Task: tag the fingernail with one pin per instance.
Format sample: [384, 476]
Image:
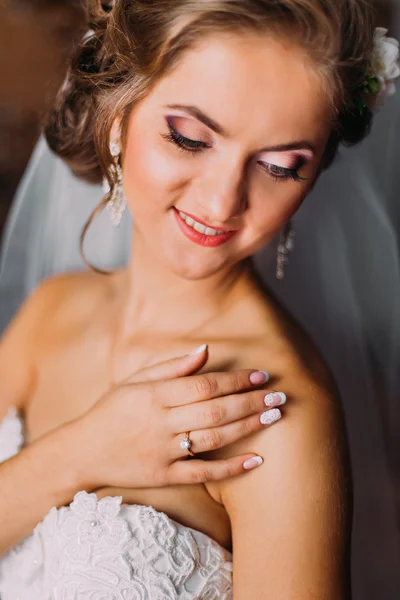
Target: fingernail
[252, 463]
[199, 350]
[259, 377]
[275, 398]
[270, 416]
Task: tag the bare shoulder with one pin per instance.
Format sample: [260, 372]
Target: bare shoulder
[312, 418]
[276, 343]
[58, 300]
[68, 290]
[298, 369]
[292, 515]
[52, 308]
[309, 440]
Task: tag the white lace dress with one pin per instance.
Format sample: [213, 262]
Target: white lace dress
[105, 550]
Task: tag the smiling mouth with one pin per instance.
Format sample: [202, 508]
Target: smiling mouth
[202, 227]
[201, 233]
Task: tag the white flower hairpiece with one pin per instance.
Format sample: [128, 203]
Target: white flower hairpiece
[384, 70]
[384, 61]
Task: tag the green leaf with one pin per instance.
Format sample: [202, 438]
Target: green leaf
[374, 86]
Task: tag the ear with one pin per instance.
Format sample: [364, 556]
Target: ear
[115, 133]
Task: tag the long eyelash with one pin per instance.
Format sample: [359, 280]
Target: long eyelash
[287, 174]
[291, 174]
[183, 143]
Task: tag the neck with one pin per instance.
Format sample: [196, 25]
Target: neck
[155, 301]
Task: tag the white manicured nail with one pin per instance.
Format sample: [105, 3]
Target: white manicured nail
[199, 350]
[252, 463]
[259, 377]
[267, 376]
[275, 398]
[270, 416]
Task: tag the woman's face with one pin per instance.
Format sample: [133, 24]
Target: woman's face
[232, 138]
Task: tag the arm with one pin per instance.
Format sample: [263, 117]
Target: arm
[23, 341]
[45, 474]
[291, 541]
[20, 344]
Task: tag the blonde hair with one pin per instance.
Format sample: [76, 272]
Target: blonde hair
[136, 42]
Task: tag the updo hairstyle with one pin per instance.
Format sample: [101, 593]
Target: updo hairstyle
[132, 44]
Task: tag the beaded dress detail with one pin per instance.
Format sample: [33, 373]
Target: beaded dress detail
[105, 550]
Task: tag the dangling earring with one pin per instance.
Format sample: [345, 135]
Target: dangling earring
[285, 246]
[117, 201]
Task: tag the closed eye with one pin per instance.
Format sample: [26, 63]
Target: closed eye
[282, 173]
[192, 146]
[185, 144]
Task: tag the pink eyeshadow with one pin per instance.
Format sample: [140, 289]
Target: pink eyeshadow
[287, 160]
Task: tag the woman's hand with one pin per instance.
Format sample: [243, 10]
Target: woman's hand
[132, 436]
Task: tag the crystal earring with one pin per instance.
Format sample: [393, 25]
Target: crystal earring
[285, 246]
[116, 204]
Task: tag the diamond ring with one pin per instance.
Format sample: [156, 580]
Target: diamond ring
[186, 444]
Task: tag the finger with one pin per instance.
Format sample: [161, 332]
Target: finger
[198, 388]
[201, 471]
[221, 411]
[206, 440]
[172, 368]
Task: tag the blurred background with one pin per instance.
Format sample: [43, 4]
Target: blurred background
[36, 39]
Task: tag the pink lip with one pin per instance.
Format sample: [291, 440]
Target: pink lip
[211, 241]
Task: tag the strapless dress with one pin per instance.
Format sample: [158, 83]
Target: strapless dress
[106, 550]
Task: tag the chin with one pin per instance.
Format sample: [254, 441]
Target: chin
[195, 273]
[193, 269]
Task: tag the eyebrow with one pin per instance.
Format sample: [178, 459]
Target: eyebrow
[198, 114]
[292, 146]
[214, 126]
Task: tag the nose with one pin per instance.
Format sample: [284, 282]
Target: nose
[222, 193]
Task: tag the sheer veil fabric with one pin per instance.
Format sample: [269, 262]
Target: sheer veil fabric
[42, 233]
[342, 284]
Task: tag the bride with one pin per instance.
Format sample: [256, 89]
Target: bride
[212, 121]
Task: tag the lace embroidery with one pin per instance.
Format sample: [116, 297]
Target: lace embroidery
[11, 434]
[105, 550]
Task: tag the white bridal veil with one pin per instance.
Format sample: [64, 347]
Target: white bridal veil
[342, 283]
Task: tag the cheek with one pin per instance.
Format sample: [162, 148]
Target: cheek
[152, 175]
[145, 174]
[273, 204]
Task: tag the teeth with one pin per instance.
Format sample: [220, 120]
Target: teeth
[199, 227]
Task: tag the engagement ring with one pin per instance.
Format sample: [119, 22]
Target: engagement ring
[186, 444]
